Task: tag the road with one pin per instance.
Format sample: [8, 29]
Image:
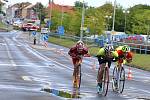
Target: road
[26, 70]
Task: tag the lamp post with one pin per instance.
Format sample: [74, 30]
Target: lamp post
[62, 14]
[114, 14]
[125, 12]
[50, 17]
[82, 21]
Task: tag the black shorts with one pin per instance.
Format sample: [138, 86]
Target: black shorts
[101, 61]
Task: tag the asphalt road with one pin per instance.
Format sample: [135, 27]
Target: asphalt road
[27, 69]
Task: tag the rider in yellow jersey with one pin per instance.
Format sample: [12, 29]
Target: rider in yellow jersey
[105, 54]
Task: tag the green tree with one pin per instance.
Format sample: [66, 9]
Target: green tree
[139, 19]
[40, 10]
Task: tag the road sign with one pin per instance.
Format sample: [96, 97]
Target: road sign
[61, 30]
[34, 33]
[46, 37]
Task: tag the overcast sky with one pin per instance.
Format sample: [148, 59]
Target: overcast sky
[95, 3]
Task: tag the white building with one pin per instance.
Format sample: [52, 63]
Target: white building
[11, 12]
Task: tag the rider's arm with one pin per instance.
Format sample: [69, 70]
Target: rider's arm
[115, 56]
[71, 51]
[101, 53]
[129, 57]
[85, 50]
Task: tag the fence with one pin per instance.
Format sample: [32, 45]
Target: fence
[135, 47]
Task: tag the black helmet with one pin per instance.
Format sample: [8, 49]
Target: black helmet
[108, 48]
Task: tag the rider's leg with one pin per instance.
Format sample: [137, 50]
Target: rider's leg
[100, 77]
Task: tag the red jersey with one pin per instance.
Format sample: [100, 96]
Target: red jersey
[73, 51]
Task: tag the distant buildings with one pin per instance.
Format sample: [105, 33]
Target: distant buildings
[60, 8]
[25, 10]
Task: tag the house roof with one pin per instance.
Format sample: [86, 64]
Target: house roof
[30, 6]
[64, 8]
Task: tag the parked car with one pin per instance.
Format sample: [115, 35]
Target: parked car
[27, 26]
[44, 30]
[17, 24]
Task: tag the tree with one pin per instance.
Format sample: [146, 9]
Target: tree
[94, 20]
[139, 18]
[40, 10]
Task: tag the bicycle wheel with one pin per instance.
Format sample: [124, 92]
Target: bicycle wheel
[121, 80]
[105, 81]
[114, 79]
[79, 76]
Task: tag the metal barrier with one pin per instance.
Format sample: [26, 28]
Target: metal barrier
[138, 48]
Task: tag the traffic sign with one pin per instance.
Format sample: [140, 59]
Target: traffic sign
[34, 33]
[46, 37]
[61, 30]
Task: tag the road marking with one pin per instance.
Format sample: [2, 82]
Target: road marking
[5, 64]
[3, 44]
[26, 78]
[9, 54]
[49, 59]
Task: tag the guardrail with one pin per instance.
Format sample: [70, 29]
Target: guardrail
[138, 48]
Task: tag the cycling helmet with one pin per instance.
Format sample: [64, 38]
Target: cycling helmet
[80, 46]
[108, 48]
[125, 48]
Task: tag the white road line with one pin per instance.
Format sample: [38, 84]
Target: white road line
[26, 78]
[3, 44]
[9, 54]
[146, 91]
[5, 64]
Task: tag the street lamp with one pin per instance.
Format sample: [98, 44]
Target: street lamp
[82, 21]
[114, 14]
[50, 17]
[62, 14]
[125, 12]
[107, 25]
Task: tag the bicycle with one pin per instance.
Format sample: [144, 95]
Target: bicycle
[105, 79]
[118, 78]
[77, 74]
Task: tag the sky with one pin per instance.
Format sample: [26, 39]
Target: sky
[95, 3]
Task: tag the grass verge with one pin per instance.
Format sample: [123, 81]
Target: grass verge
[2, 26]
[140, 61]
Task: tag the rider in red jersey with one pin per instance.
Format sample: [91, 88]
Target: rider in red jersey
[77, 52]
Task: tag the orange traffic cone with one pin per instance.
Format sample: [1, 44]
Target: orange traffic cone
[130, 74]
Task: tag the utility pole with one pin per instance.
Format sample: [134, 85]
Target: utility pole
[50, 17]
[82, 21]
[62, 14]
[114, 14]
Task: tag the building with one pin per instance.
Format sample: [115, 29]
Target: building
[19, 12]
[11, 12]
[29, 13]
[60, 8]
